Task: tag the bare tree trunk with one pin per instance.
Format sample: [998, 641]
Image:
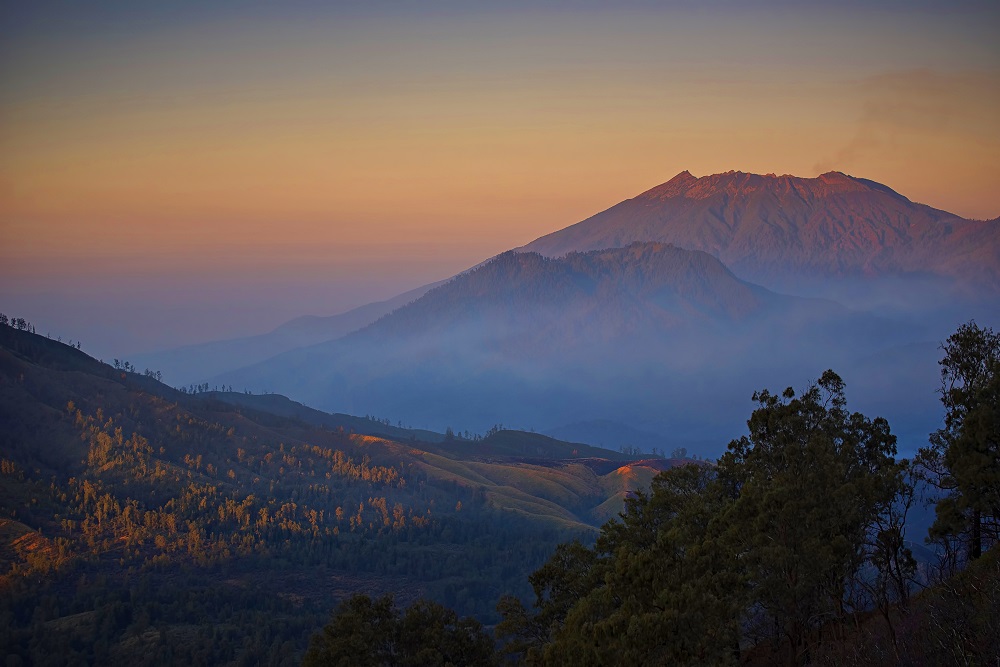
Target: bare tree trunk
[976, 546]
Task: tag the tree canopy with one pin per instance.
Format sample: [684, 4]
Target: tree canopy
[963, 458]
[371, 633]
[763, 547]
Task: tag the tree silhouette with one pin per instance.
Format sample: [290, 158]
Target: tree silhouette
[963, 458]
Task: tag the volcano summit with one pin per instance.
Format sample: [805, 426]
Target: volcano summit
[784, 232]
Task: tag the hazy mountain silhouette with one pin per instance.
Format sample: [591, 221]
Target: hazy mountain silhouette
[630, 334]
[194, 363]
[790, 233]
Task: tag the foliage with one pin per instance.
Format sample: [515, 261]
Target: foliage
[371, 633]
[963, 458]
[765, 546]
[809, 482]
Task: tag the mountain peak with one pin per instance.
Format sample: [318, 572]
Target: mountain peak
[779, 230]
[740, 183]
[675, 187]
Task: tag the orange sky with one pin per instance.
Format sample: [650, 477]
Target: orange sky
[414, 145]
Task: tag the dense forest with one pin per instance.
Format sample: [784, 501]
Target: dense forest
[145, 524]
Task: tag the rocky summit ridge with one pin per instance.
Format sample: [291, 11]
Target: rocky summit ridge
[779, 231]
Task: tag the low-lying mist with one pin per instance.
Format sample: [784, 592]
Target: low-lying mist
[613, 337]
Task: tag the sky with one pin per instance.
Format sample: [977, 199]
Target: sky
[172, 173]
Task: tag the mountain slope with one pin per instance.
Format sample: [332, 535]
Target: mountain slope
[654, 284]
[781, 230]
[40, 377]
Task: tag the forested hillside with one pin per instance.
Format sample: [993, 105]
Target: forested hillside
[146, 524]
[149, 525]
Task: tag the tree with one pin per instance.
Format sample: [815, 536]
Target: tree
[431, 634]
[774, 537]
[963, 458]
[568, 575]
[809, 483]
[362, 632]
[370, 632]
[671, 593]
[656, 588]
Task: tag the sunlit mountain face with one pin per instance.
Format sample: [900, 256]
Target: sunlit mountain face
[827, 234]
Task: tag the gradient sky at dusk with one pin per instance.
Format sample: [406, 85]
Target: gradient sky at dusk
[175, 173]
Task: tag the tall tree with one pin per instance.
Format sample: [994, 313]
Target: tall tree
[809, 483]
[362, 632]
[964, 456]
[655, 589]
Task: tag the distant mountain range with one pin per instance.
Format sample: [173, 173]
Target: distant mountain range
[194, 363]
[663, 312]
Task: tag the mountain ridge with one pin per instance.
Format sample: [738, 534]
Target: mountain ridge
[735, 182]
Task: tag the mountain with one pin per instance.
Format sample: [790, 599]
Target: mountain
[194, 363]
[612, 291]
[835, 236]
[790, 233]
[637, 335]
[665, 309]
